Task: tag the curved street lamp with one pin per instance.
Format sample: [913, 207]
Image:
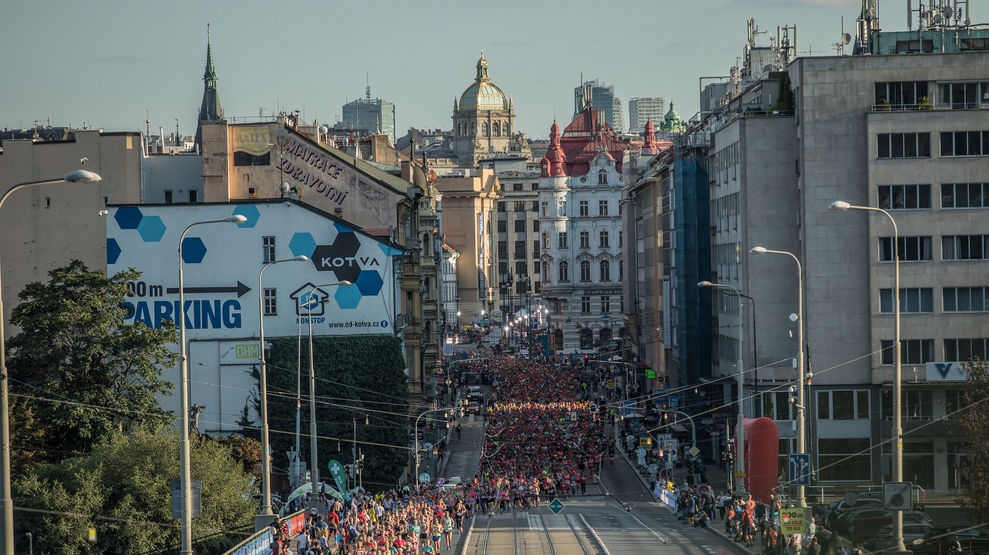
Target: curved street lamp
[77, 176]
[264, 517]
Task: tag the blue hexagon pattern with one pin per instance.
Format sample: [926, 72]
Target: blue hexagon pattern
[341, 228]
[193, 250]
[151, 229]
[128, 217]
[369, 282]
[302, 244]
[347, 297]
[112, 251]
[250, 212]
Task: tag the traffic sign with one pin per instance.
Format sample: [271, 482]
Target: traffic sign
[693, 451]
[665, 474]
[556, 506]
[424, 477]
[799, 469]
[896, 496]
[792, 520]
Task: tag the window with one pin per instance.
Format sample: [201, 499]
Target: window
[585, 305]
[520, 250]
[561, 207]
[585, 271]
[535, 251]
[502, 267]
[966, 299]
[534, 186]
[916, 404]
[605, 270]
[545, 209]
[520, 226]
[961, 350]
[963, 247]
[900, 94]
[502, 226]
[535, 272]
[621, 270]
[602, 208]
[520, 271]
[604, 239]
[583, 208]
[962, 95]
[535, 206]
[519, 206]
[562, 240]
[270, 301]
[904, 145]
[564, 271]
[168, 197]
[267, 249]
[620, 235]
[905, 197]
[912, 351]
[909, 249]
[843, 405]
[546, 271]
[964, 195]
[586, 338]
[535, 224]
[516, 186]
[502, 249]
[193, 196]
[496, 129]
[484, 129]
[603, 177]
[965, 143]
[605, 304]
[844, 459]
[912, 300]
[585, 240]
[776, 405]
[914, 45]
[501, 206]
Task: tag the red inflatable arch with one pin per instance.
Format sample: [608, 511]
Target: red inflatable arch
[761, 454]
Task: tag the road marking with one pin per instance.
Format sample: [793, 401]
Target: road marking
[535, 523]
[594, 534]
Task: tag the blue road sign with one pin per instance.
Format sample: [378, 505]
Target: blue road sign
[799, 469]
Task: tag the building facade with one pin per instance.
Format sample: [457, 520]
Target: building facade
[643, 109]
[373, 114]
[603, 98]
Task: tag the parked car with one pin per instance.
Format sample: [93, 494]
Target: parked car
[863, 524]
[912, 532]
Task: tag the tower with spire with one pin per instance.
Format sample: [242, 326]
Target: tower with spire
[210, 109]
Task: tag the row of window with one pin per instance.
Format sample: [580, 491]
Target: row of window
[604, 240]
[909, 94]
[918, 248]
[918, 196]
[517, 206]
[921, 351]
[604, 271]
[583, 208]
[921, 299]
[918, 145]
[519, 225]
[497, 129]
[585, 304]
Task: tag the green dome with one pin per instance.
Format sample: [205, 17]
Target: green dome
[483, 94]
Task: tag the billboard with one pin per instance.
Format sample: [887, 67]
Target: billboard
[222, 261]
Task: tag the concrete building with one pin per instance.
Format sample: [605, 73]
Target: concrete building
[643, 109]
[373, 114]
[603, 98]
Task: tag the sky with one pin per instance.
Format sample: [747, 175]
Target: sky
[107, 64]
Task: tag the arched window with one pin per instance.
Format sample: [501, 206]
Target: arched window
[496, 129]
[425, 244]
[558, 339]
[605, 336]
[605, 270]
[564, 271]
[484, 129]
[585, 271]
[546, 271]
[505, 129]
[586, 338]
[603, 177]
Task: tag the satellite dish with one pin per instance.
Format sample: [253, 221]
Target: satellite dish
[846, 38]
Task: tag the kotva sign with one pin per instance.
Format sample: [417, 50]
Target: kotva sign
[946, 372]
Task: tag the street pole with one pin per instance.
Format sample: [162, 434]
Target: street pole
[263, 518]
[415, 432]
[78, 176]
[740, 376]
[897, 361]
[801, 405]
[184, 449]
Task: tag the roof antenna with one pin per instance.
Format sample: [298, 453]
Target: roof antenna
[367, 85]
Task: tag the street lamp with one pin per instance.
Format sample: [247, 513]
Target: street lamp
[415, 432]
[264, 517]
[801, 432]
[897, 360]
[740, 436]
[78, 176]
[186, 470]
[312, 382]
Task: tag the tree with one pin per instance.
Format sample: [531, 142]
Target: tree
[77, 370]
[360, 378]
[121, 489]
[975, 421]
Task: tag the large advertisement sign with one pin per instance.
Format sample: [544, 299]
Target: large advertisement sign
[222, 261]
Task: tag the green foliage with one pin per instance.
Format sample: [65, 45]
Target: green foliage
[785, 101]
[975, 421]
[121, 489]
[362, 372]
[79, 372]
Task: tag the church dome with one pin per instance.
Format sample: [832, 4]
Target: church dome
[483, 94]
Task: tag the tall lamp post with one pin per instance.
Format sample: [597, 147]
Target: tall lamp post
[801, 431]
[897, 360]
[78, 176]
[312, 383]
[416, 434]
[740, 435]
[186, 470]
[264, 517]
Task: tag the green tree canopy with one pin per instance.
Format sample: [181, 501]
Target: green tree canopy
[79, 373]
[975, 421]
[121, 489]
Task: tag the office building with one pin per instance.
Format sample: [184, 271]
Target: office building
[641, 110]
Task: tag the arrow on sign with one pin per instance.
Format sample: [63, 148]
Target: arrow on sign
[240, 289]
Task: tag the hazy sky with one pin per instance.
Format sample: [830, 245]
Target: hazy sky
[105, 63]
